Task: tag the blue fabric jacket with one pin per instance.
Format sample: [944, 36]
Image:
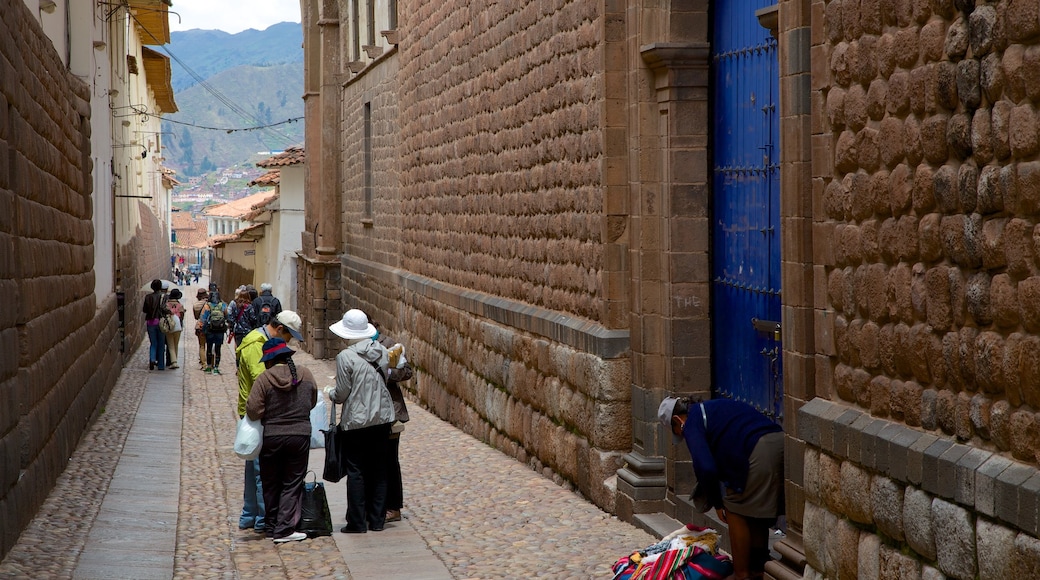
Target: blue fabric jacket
[720, 442]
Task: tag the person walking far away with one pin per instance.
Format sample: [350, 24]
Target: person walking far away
[400, 370]
[240, 315]
[368, 413]
[153, 307]
[214, 324]
[737, 449]
[281, 399]
[201, 298]
[173, 339]
[285, 326]
[265, 306]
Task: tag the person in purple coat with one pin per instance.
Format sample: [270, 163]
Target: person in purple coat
[738, 458]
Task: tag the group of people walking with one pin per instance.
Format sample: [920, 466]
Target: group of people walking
[281, 395]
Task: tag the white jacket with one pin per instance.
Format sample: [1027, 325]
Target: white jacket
[361, 389]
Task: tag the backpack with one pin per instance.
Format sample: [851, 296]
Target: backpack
[217, 321]
[262, 311]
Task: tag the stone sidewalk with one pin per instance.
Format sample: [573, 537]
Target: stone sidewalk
[154, 491]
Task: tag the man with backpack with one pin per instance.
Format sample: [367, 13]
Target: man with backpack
[214, 323]
[265, 306]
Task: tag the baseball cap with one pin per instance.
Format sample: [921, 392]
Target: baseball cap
[664, 415]
[292, 322]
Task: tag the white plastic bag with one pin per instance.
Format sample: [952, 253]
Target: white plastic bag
[249, 438]
[319, 422]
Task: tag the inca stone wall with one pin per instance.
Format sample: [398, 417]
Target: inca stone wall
[484, 249]
[928, 192]
[60, 353]
[501, 143]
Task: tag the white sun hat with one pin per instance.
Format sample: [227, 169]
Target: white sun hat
[354, 325]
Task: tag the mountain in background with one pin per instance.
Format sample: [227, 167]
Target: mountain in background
[236, 82]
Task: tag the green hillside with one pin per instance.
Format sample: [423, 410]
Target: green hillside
[248, 80]
[268, 94]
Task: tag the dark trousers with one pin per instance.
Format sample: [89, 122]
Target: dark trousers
[365, 455]
[213, 342]
[283, 467]
[394, 484]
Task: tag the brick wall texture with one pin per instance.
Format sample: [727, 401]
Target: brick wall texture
[925, 150]
[61, 347]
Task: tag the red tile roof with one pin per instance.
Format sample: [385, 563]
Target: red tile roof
[291, 156]
[270, 178]
[243, 207]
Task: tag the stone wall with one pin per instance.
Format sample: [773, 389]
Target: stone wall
[501, 143]
[61, 351]
[925, 145]
[483, 247]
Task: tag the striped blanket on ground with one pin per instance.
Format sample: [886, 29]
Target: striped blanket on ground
[690, 553]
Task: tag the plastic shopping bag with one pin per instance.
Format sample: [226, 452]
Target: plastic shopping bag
[319, 422]
[249, 438]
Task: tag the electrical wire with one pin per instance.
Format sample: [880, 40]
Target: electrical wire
[234, 107]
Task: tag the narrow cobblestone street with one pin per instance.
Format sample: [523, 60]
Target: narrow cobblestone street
[470, 511]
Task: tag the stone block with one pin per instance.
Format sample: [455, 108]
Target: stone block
[830, 483]
[1026, 563]
[869, 561]
[1022, 134]
[965, 469]
[814, 535]
[996, 550]
[946, 467]
[1028, 517]
[916, 459]
[1029, 303]
[982, 24]
[886, 497]
[954, 540]
[1023, 20]
[930, 573]
[986, 483]
[895, 564]
[1000, 117]
[917, 522]
[847, 539]
[1007, 491]
[956, 43]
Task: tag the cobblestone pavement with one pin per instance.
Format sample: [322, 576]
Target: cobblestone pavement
[482, 514]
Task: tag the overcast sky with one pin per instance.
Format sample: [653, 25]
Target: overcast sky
[232, 15]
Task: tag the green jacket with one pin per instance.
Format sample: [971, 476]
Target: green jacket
[249, 352]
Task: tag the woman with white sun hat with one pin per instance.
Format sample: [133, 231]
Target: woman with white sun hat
[365, 420]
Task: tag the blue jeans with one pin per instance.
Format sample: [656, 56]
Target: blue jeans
[157, 348]
[253, 511]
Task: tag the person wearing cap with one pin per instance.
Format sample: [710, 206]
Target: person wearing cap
[368, 413]
[281, 399]
[173, 339]
[249, 353]
[201, 298]
[738, 458]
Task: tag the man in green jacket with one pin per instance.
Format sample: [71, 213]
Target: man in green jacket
[286, 325]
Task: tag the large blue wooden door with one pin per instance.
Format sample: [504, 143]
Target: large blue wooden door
[746, 209]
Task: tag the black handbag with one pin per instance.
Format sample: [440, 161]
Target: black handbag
[315, 517]
[335, 467]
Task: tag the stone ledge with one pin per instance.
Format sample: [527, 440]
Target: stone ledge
[974, 478]
[583, 335]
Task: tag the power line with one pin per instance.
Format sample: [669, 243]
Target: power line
[231, 130]
[215, 93]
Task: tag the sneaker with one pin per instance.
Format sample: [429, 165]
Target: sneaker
[293, 537]
[151, 365]
[174, 367]
[207, 369]
[216, 371]
[393, 515]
